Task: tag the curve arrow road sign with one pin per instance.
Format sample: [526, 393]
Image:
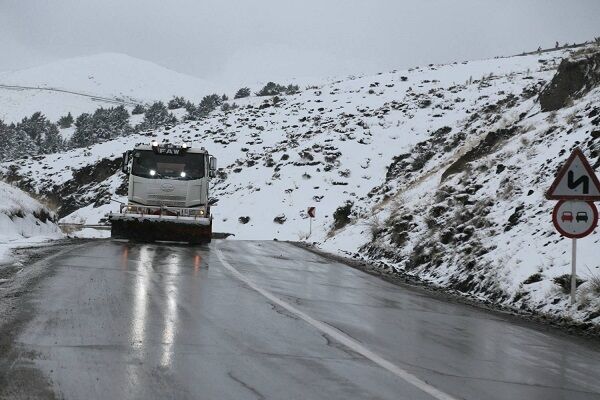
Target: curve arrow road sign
[576, 180]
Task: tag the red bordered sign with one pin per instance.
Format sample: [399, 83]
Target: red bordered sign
[575, 219]
[576, 180]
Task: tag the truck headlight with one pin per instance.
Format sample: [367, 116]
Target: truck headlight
[152, 172]
[182, 174]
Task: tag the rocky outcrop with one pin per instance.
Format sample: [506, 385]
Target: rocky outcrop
[574, 78]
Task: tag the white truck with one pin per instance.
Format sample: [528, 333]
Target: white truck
[167, 194]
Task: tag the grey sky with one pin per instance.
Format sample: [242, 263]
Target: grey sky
[251, 40]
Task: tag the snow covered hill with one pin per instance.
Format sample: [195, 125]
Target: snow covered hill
[83, 84]
[438, 171]
[23, 221]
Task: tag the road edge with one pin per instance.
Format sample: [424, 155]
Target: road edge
[17, 311]
[539, 321]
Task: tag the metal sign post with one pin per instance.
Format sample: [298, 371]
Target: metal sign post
[575, 215]
[573, 270]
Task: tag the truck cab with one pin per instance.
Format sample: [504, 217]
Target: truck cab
[168, 185]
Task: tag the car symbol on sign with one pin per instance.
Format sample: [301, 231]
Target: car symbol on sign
[567, 216]
[581, 216]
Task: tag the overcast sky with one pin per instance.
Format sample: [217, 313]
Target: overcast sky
[253, 40]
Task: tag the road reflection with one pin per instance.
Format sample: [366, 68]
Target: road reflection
[140, 296]
[197, 263]
[170, 315]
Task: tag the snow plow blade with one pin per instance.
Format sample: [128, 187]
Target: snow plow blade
[150, 229]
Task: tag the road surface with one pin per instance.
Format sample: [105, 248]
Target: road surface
[268, 320]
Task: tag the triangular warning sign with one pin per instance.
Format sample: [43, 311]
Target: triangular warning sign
[576, 180]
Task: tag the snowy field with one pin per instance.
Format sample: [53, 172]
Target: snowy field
[23, 221]
[84, 84]
[437, 171]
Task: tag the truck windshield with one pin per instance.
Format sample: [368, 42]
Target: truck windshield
[148, 164]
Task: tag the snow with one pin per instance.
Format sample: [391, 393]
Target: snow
[83, 84]
[336, 142]
[90, 233]
[21, 223]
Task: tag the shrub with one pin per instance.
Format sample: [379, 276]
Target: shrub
[157, 115]
[537, 277]
[271, 89]
[176, 102]
[242, 92]
[138, 109]
[594, 284]
[564, 281]
[292, 89]
[207, 105]
[341, 216]
[66, 121]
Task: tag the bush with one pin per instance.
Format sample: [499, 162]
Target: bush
[176, 102]
[537, 277]
[594, 284]
[66, 121]
[564, 281]
[271, 89]
[138, 109]
[292, 89]
[104, 124]
[341, 216]
[207, 105]
[157, 115]
[242, 92]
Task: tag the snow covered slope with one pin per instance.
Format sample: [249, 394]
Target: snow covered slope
[437, 171]
[23, 220]
[85, 83]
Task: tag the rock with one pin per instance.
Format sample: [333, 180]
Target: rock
[244, 220]
[280, 219]
[574, 77]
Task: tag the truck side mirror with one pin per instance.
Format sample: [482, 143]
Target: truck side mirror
[212, 167]
[125, 163]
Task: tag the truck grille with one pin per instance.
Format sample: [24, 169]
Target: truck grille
[166, 200]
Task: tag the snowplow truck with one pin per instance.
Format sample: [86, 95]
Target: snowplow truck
[167, 195]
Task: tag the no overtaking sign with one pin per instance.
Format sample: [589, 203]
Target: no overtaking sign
[575, 215]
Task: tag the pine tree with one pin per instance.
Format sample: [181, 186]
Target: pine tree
[33, 127]
[6, 138]
[157, 115]
[53, 141]
[65, 121]
[207, 105]
[84, 133]
[119, 121]
[271, 89]
[176, 102]
[23, 146]
[292, 89]
[138, 109]
[241, 93]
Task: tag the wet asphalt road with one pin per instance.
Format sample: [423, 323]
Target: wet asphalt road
[268, 320]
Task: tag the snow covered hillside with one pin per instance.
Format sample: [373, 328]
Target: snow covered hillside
[23, 221]
[438, 171]
[83, 84]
